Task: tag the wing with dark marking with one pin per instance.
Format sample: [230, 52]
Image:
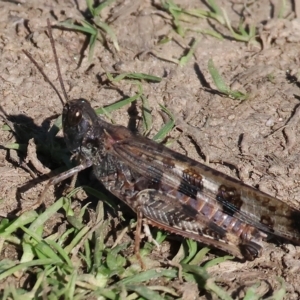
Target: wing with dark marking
[160, 164]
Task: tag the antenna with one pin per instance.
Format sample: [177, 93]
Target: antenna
[44, 75]
[56, 61]
[57, 67]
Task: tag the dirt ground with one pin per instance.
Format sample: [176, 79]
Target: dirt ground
[254, 140]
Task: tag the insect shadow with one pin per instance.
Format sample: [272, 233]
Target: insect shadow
[24, 129]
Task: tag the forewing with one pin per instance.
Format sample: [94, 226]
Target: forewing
[160, 164]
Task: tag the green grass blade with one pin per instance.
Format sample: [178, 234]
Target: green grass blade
[208, 32]
[92, 44]
[216, 9]
[16, 146]
[192, 250]
[146, 115]
[33, 263]
[105, 27]
[148, 275]
[185, 59]
[61, 252]
[145, 292]
[55, 128]
[217, 261]
[117, 105]
[78, 237]
[86, 27]
[166, 129]
[211, 286]
[101, 196]
[199, 271]
[6, 127]
[45, 250]
[217, 78]
[281, 293]
[221, 85]
[26, 218]
[89, 4]
[49, 212]
[251, 293]
[175, 11]
[136, 76]
[199, 256]
[71, 285]
[104, 4]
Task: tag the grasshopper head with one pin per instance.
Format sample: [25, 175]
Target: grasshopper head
[78, 117]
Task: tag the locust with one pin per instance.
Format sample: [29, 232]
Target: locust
[171, 191]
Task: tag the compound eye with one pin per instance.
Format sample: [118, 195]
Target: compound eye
[74, 117]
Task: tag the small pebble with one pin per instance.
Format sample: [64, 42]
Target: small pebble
[270, 122]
